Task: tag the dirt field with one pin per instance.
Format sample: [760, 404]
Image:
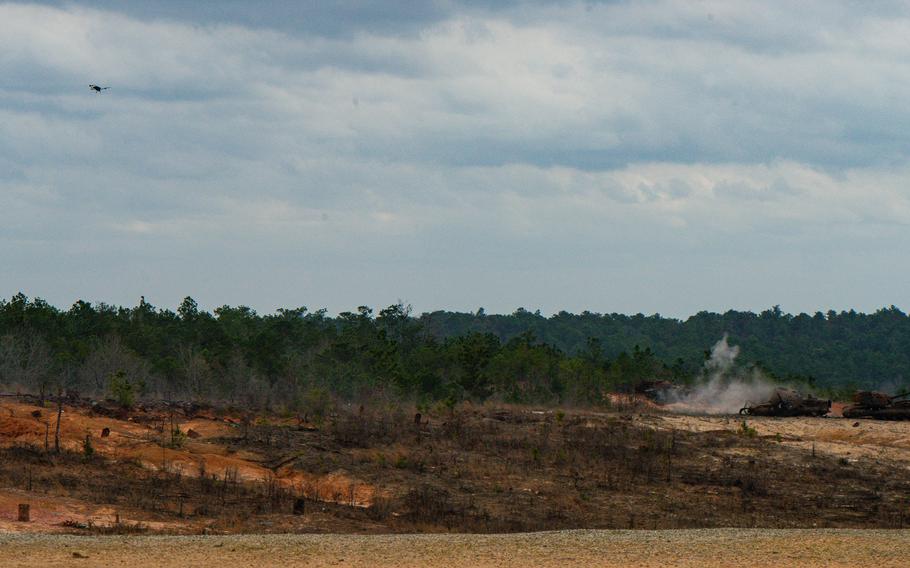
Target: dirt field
[834, 436]
[681, 548]
[487, 469]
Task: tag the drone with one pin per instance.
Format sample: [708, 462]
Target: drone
[98, 89]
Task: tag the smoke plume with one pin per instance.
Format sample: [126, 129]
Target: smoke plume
[725, 388]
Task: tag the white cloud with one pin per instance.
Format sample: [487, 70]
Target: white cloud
[468, 160]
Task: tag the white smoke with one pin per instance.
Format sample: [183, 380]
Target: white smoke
[723, 357]
[723, 387]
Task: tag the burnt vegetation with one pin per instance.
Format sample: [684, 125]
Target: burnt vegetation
[486, 469]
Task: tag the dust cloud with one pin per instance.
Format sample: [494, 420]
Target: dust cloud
[723, 387]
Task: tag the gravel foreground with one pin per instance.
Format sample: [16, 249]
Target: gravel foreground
[681, 548]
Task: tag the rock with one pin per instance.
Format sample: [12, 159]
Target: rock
[79, 555]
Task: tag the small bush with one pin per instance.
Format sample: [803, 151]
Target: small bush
[122, 389]
[178, 438]
[747, 431]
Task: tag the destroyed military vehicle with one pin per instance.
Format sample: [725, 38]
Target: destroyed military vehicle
[880, 406]
[788, 402]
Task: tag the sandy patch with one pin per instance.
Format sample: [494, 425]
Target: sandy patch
[834, 436]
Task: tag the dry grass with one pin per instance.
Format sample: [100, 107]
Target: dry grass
[471, 469]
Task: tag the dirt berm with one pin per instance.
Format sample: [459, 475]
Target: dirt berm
[681, 548]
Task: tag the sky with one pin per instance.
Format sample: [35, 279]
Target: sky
[662, 156]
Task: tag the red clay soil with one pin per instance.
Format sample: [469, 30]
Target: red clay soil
[141, 442]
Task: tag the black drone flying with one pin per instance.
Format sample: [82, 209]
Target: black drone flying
[98, 89]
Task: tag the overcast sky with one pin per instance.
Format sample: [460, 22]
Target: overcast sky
[665, 156]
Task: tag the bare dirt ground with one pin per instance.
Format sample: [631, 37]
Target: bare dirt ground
[680, 548]
[472, 469]
[840, 437]
[368, 477]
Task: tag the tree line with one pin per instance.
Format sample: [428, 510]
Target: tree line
[832, 350]
[302, 360]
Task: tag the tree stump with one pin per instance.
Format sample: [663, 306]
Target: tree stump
[24, 512]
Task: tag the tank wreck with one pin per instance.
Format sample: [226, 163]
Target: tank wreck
[788, 402]
[879, 406]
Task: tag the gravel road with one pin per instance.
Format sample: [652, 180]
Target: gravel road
[680, 548]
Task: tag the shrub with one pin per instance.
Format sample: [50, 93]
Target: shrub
[746, 430]
[122, 389]
[178, 438]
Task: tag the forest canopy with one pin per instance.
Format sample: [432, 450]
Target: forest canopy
[300, 359]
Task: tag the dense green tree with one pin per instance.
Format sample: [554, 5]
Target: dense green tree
[295, 358]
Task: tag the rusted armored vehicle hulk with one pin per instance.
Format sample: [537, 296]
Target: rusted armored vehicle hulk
[880, 406]
[788, 402]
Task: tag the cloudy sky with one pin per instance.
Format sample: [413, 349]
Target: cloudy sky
[655, 156]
